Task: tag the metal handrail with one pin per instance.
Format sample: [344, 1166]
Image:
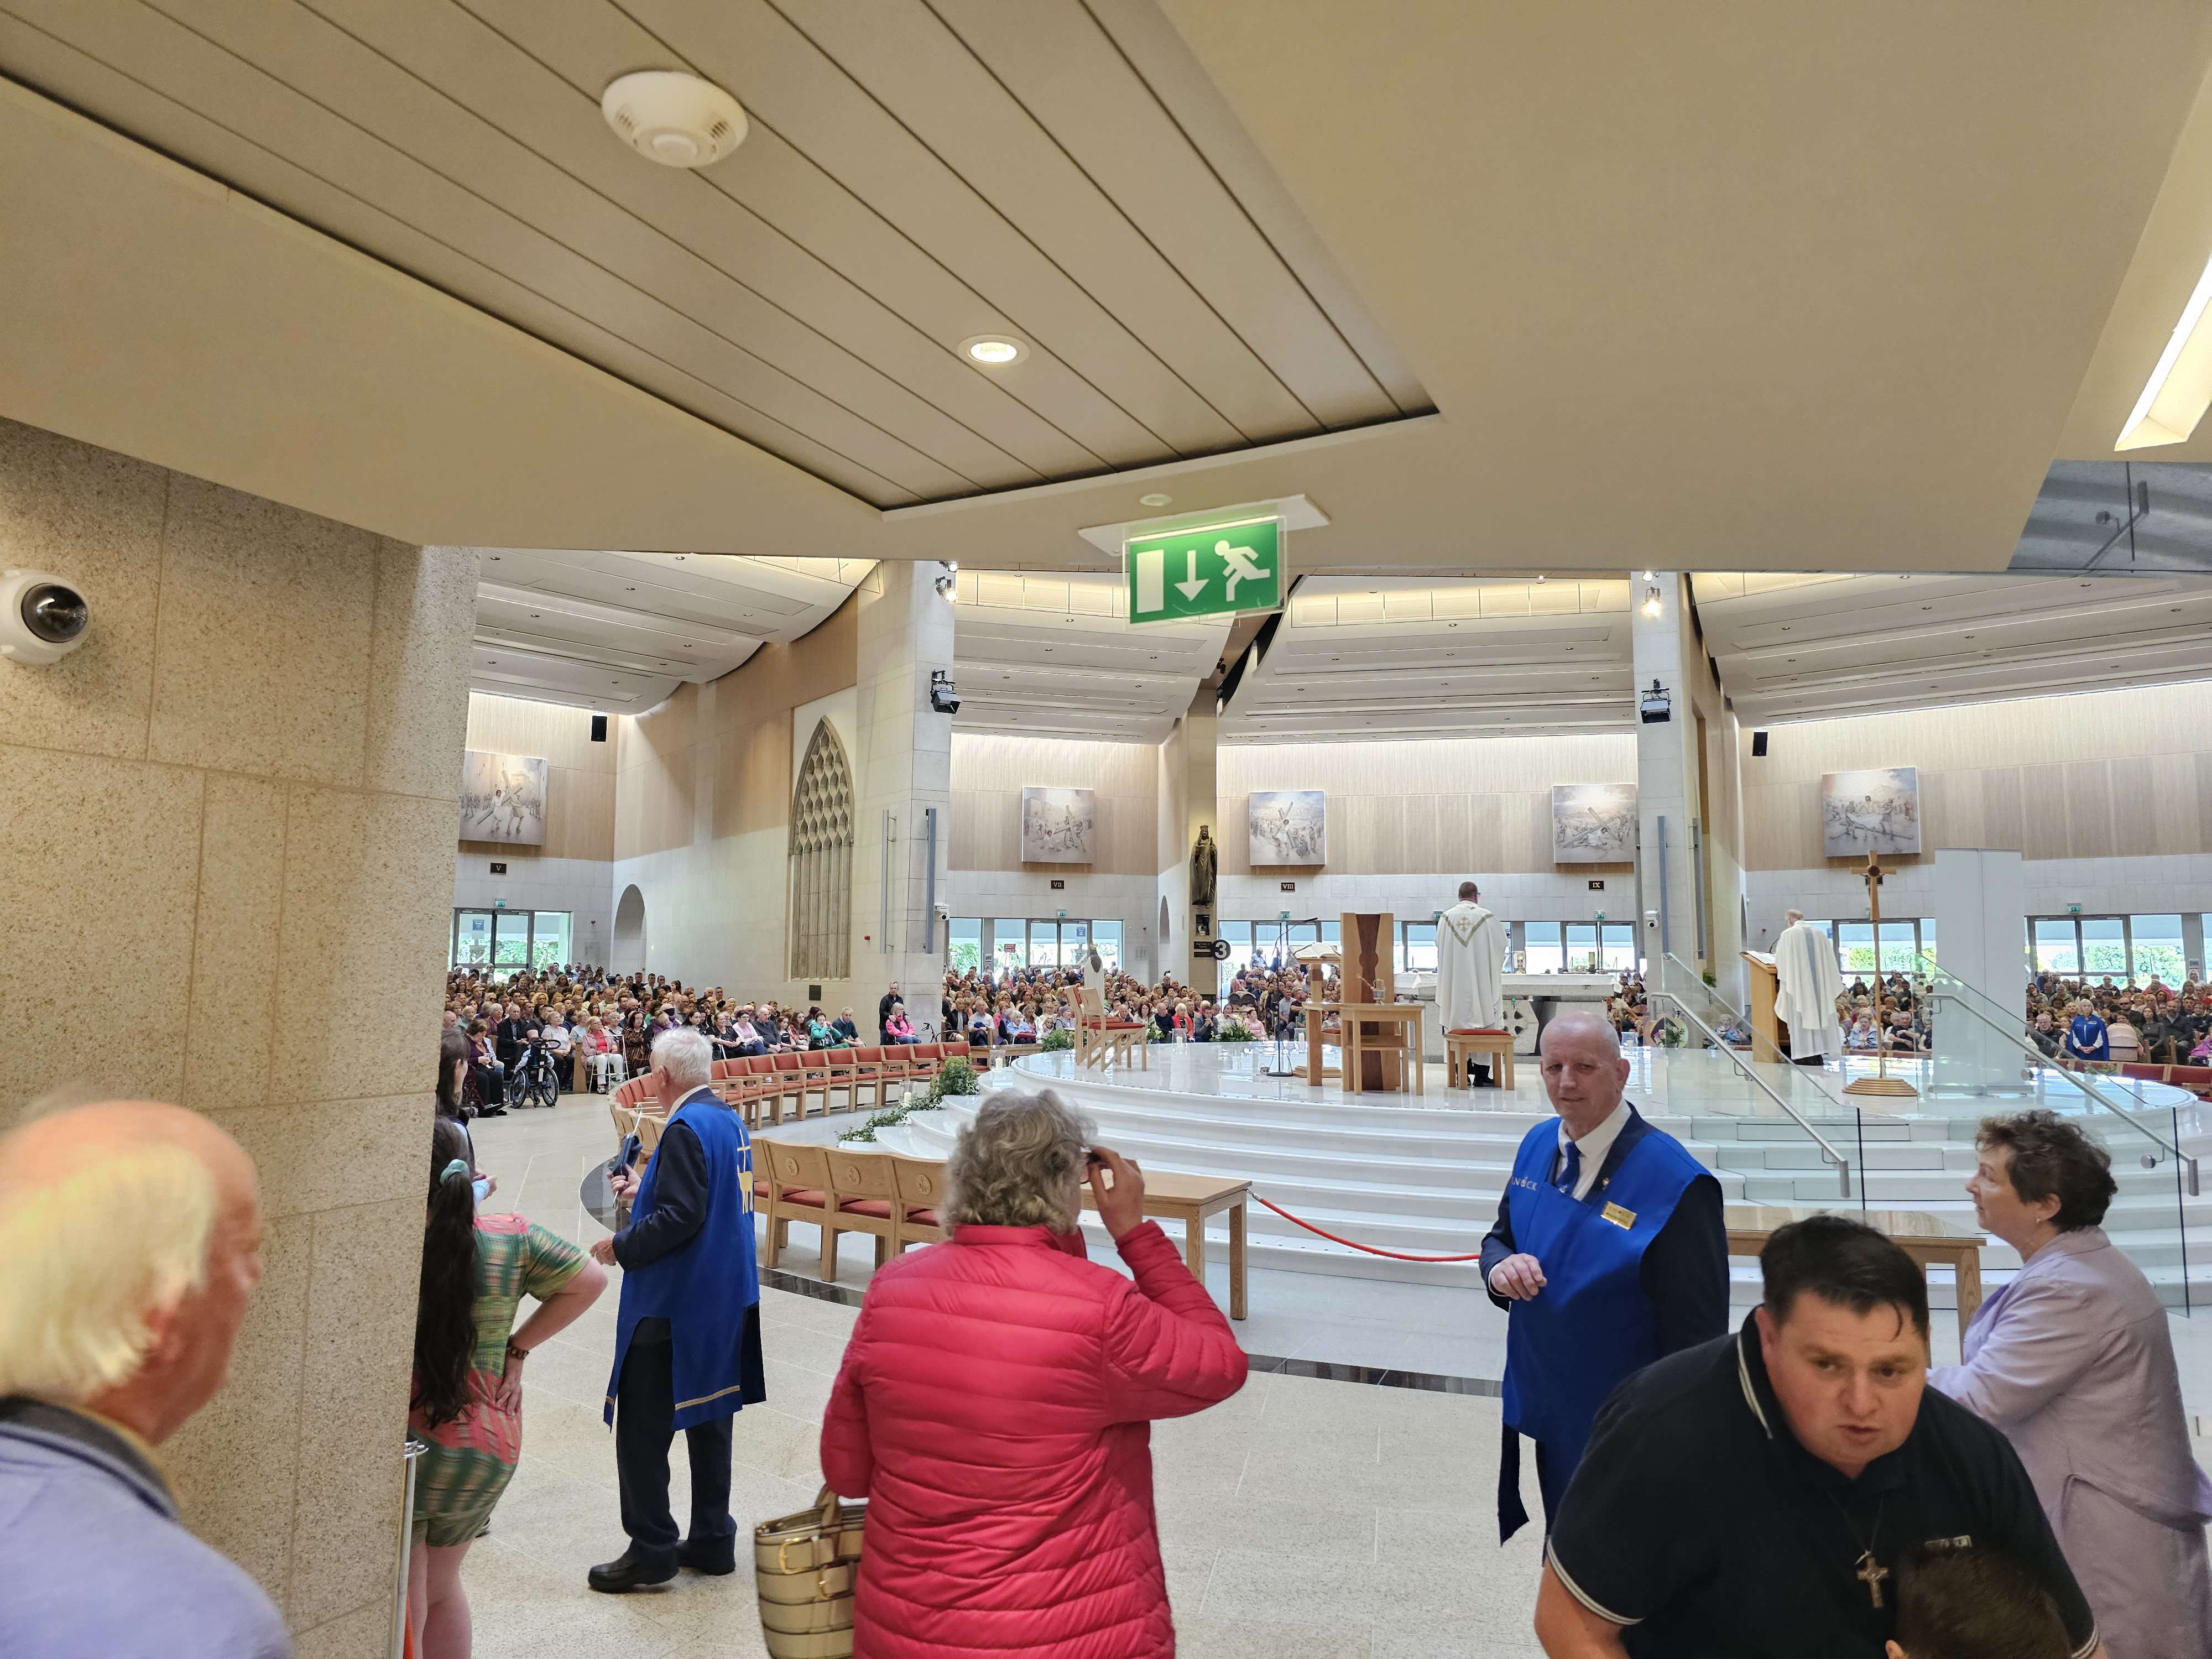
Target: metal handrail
[2080, 1080]
[1779, 1058]
[1843, 1164]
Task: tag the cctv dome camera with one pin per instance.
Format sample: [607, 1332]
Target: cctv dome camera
[42, 617]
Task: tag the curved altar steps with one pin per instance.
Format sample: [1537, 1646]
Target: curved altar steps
[1427, 1178]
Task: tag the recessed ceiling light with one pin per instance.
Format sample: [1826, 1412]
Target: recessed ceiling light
[1154, 500]
[995, 350]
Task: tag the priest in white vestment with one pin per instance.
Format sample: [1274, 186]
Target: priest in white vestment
[1471, 971]
[1807, 984]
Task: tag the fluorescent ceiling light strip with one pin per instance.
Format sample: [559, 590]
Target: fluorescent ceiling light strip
[2180, 388]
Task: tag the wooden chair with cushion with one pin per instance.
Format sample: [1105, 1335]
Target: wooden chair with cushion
[790, 1183]
[924, 1060]
[768, 1087]
[837, 1076]
[791, 1075]
[868, 1077]
[814, 1077]
[866, 1202]
[897, 1066]
[919, 1183]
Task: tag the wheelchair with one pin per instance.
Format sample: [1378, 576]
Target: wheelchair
[533, 1082]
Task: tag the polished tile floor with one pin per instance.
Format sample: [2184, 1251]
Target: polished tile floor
[1327, 1520]
[1324, 1519]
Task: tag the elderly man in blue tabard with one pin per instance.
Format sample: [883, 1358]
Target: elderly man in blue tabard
[687, 1340]
[1609, 1252]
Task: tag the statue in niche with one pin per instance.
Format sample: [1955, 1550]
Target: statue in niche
[1204, 862]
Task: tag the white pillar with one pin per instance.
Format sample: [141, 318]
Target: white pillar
[1980, 897]
[905, 632]
[1666, 772]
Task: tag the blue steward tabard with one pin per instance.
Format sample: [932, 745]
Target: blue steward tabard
[1570, 1344]
[704, 1288]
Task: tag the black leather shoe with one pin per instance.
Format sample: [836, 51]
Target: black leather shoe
[631, 1571]
[714, 1557]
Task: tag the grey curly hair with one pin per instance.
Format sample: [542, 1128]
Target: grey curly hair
[1019, 1164]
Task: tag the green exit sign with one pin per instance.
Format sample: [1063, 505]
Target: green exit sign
[1210, 571]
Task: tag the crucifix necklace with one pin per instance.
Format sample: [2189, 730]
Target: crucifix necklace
[1870, 1572]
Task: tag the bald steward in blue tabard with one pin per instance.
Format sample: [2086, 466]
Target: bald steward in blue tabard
[1608, 1252]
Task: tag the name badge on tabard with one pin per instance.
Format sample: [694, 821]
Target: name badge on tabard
[1618, 1217]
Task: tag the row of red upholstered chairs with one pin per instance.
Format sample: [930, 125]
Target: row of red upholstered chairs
[841, 1189]
[762, 1084]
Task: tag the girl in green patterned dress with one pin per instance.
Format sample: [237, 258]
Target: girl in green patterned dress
[467, 1399]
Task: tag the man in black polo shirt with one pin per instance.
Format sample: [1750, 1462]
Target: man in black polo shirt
[1750, 1496]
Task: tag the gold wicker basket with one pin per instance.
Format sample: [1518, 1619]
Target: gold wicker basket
[805, 1566]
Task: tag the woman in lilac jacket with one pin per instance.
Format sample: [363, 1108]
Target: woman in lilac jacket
[2074, 1362]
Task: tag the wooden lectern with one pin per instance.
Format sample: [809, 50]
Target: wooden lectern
[1379, 1039]
[1773, 1036]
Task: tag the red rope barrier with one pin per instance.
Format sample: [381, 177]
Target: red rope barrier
[1395, 1255]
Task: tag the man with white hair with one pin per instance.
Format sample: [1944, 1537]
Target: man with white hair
[687, 1340]
[131, 1232]
[1807, 984]
[1609, 1251]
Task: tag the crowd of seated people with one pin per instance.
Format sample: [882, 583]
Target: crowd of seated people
[2155, 1025]
[598, 1027]
[1021, 1007]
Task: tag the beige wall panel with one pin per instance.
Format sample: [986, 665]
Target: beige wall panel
[2102, 808]
[1389, 831]
[1232, 828]
[1455, 832]
[752, 743]
[1486, 831]
[2043, 817]
[2002, 808]
[1963, 822]
[2088, 800]
[2173, 806]
[1422, 846]
[993, 769]
[511, 726]
[2134, 806]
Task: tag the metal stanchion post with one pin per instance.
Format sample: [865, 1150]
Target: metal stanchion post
[412, 1450]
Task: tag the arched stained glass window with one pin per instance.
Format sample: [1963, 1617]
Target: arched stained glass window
[822, 861]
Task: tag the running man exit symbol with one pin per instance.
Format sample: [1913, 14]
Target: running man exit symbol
[1211, 571]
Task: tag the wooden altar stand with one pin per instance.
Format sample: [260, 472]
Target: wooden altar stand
[1379, 1039]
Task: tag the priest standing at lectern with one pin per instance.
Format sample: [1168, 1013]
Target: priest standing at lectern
[1807, 984]
[1471, 971]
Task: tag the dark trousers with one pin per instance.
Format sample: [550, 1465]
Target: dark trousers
[644, 1427]
[1551, 1482]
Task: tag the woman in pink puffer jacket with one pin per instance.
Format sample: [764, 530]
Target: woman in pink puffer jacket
[993, 1401]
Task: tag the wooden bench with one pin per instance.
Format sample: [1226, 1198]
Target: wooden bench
[1929, 1240]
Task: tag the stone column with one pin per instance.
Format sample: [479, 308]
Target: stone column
[1666, 773]
[238, 798]
[905, 764]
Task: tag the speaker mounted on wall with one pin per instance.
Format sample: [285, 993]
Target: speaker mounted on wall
[599, 728]
[1759, 745]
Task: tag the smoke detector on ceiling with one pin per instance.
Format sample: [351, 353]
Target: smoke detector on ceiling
[674, 118]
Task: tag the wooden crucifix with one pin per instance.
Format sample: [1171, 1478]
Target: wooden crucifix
[1880, 1083]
